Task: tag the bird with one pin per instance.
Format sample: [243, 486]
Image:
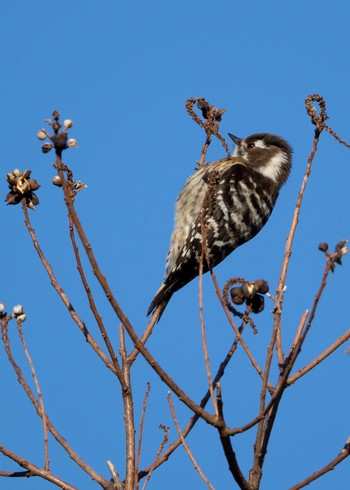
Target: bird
[234, 197]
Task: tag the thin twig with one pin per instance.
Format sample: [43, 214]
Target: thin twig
[319, 122]
[294, 351]
[115, 305]
[298, 333]
[204, 254]
[302, 371]
[274, 402]
[115, 476]
[40, 397]
[92, 304]
[139, 442]
[212, 117]
[327, 269]
[256, 471]
[16, 474]
[185, 445]
[35, 470]
[158, 454]
[129, 420]
[55, 284]
[226, 443]
[147, 333]
[233, 325]
[72, 454]
[344, 453]
[266, 422]
[192, 422]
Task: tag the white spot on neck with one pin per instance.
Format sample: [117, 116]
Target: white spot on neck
[272, 169]
[235, 152]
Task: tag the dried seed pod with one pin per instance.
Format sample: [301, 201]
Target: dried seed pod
[341, 247]
[262, 285]
[41, 134]
[323, 247]
[257, 303]
[68, 123]
[33, 184]
[72, 142]
[249, 289]
[237, 296]
[26, 174]
[34, 199]
[46, 147]
[17, 172]
[79, 185]
[17, 310]
[57, 181]
[12, 198]
[11, 178]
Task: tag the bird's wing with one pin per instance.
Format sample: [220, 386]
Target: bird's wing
[188, 207]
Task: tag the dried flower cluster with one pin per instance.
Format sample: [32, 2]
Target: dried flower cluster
[250, 293]
[334, 258]
[17, 312]
[22, 188]
[245, 292]
[59, 140]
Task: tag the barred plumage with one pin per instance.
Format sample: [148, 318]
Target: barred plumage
[235, 197]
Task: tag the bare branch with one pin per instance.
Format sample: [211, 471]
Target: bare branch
[344, 453]
[127, 325]
[203, 403]
[40, 397]
[115, 476]
[72, 454]
[147, 333]
[302, 371]
[185, 445]
[129, 421]
[55, 284]
[34, 470]
[204, 255]
[235, 329]
[158, 455]
[142, 421]
[212, 117]
[226, 443]
[319, 122]
[92, 303]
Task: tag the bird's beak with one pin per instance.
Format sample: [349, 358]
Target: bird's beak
[235, 139]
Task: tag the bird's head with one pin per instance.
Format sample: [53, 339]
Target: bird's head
[267, 153]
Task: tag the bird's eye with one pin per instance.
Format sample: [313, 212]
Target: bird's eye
[251, 145]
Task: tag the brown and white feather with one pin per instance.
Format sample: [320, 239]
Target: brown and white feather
[245, 192]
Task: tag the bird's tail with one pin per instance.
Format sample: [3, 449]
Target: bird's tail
[160, 300]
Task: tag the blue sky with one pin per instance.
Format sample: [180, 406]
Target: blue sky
[123, 71]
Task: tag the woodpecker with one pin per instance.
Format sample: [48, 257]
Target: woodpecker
[228, 201]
